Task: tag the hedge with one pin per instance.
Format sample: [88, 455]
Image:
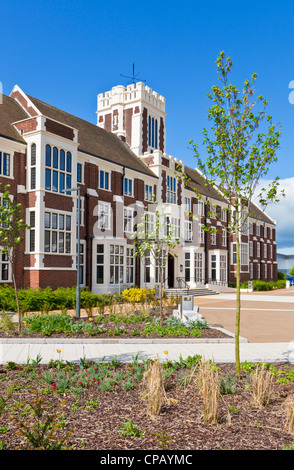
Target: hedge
[265, 286]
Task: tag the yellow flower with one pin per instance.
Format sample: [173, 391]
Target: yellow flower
[165, 352]
[58, 350]
[90, 319]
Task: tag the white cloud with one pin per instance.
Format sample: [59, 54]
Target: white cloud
[283, 213]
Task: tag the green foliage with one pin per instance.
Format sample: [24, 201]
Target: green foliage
[41, 427]
[137, 295]
[130, 429]
[265, 286]
[228, 384]
[43, 300]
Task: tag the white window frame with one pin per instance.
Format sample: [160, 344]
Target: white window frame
[104, 172]
[104, 215]
[188, 231]
[67, 232]
[128, 220]
[187, 205]
[224, 215]
[200, 234]
[4, 262]
[171, 189]
[201, 208]
[9, 166]
[213, 238]
[224, 237]
[127, 192]
[148, 192]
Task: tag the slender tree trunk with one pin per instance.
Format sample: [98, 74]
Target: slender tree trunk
[238, 306]
[17, 301]
[160, 288]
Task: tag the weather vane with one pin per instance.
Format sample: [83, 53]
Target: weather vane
[134, 77]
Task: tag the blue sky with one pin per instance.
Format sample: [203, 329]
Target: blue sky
[67, 52]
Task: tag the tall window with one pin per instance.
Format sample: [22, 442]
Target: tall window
[198, 267]
[224, 237]
[5, 271]
[187, 266]
[171, 190]
[100, 264]
[147, 266]
[213, 238]
[79, 173]
[4, 164]
[153, 132]
[200, 208]
[128, 220]
[82, 264]
[116, 264]
[128, 187]
[188, 231]
[148, 192]
[187, 205]
[104, 180]
[130, 266]
[32, 231]
[103, 216]
[244, 254]
[58, 169]
[223, 268]
[200, 234]
[224, 215]
[57, 233]
[33, 166]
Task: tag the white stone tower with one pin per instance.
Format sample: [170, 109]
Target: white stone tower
[136, 114]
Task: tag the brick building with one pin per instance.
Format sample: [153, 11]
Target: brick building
[119, 164]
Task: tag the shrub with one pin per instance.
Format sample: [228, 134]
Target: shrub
[137, 295]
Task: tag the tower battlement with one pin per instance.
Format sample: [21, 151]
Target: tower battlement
[129, 95]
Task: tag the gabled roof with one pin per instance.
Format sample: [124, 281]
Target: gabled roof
[10, 112]
[94, 140]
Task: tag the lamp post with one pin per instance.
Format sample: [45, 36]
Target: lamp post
[78, 288]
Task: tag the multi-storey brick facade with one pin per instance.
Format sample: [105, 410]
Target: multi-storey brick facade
[119, 165]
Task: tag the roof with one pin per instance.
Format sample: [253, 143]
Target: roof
[257, 213]
[10, 112]
[197, 183]
[94, 140]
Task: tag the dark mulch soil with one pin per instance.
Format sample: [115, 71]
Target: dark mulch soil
[95, 417]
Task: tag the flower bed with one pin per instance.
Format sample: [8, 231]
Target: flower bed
[104, 406]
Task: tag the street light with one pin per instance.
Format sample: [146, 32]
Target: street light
[78, 289]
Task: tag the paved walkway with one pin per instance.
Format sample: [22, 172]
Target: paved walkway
[267, 334]
[221, 352]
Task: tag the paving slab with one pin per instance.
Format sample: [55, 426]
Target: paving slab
[221, 352]
[265, 317]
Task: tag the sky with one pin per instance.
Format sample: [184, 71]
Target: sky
[67, 52]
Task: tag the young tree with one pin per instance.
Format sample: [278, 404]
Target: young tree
[154, 237]
[12, 228]
[240, 148]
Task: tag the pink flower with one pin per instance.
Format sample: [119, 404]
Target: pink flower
[54, 385]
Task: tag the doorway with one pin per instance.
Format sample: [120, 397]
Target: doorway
[171, 271]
